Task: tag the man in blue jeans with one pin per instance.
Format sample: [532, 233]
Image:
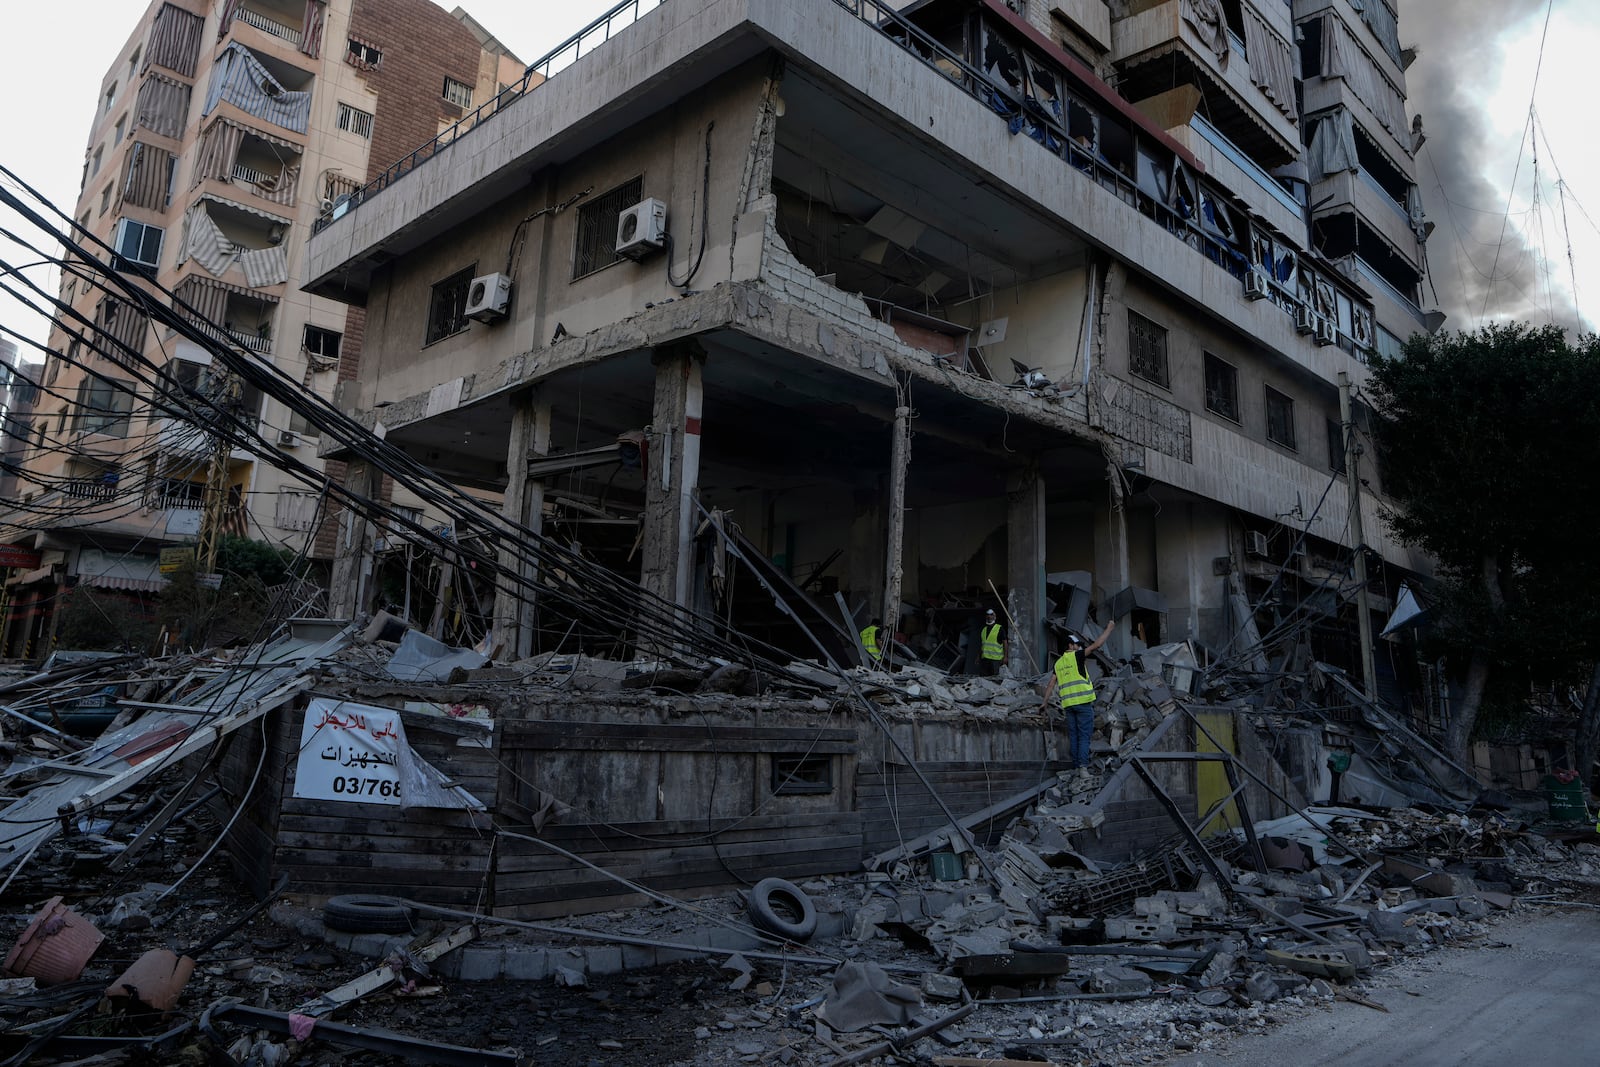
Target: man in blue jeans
[1075, 694]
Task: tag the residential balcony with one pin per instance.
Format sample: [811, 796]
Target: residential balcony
[289, 31]
[1356, 191]
[1158, 50]
[1390, 129]
[1363, 34]
[1243, 176]
[261, 86]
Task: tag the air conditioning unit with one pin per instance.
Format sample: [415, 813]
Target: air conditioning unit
[1255, 285]
[1305, 320]
[488, 297]
[288, 438]
[1326, 333]
[1255, 544]
[642, 229]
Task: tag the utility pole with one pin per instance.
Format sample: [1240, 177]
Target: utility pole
[228, 391]
[1352, 475]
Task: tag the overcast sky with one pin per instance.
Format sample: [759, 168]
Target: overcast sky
[1472, 83]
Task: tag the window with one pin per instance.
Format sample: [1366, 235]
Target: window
[133, 65]
[111, 98]
[355, 121]
[447, 310]
[321, 344]
[1222, 388]
[1147, 349]
[597, 228]
[458, 93]
[94, 164]
[118, 130]
[105, 198]
[364, 55]
[138, 242]
[104, 406]
[1336, 446]
[1280, 418]
[176, 493]
[801, 774]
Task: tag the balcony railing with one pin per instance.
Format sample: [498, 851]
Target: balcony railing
[266, 25]
[540, 71]
[246, 173]
[253, 342]
[1251, 168]
[89, 489]
[1383, 284]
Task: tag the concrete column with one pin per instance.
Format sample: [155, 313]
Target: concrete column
[351, 579]
[899, 462]
[673, 479]
[1025, 598]
[514, 616]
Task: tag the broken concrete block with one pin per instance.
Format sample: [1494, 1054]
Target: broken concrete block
[1139, 930]
[937, 986]
[1392, 927]
[1119, 980]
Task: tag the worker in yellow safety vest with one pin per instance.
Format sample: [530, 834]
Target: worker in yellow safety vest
[1075, 694]
[992, 652]
[869, 641]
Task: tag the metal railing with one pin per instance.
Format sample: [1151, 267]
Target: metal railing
[266, 25]
[566, 53]
[89, 489]
[1030, 117]
[246, 173]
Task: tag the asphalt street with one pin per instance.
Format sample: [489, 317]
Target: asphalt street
[1524, 996]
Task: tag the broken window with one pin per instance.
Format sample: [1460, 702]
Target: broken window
[457, 93]
[363, 55]
[1147, 349]
[596, 238]
[1336, 446]
[447, 309]
[800, 775]
[1280, 418]
[1222, 387]
[321, 344]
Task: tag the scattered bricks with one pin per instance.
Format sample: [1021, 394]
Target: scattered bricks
[1395, 897]
[527, 964]
[1135, 930]
[481, 963]
[941, 986]
[1313, 961]
[1119, 980]
[1220, 968]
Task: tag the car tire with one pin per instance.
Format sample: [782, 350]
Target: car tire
[782, 908]
[359, 913]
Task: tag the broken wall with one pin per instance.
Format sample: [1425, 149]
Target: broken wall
[1043, 329]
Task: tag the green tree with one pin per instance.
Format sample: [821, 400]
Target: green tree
[236, 611]
[1489, 444]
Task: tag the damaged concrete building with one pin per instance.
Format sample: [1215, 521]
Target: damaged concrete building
[1055, 307]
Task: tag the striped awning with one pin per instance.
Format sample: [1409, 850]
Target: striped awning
[225, 202]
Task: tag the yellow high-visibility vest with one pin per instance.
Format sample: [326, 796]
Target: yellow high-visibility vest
[869, 641]
[1072, 685]
[991, 643]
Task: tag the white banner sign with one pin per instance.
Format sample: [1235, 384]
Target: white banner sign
[350, 752]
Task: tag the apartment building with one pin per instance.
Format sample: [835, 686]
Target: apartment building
[224, 128]
[933, 299]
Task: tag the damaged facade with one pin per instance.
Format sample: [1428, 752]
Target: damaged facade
[934, 303]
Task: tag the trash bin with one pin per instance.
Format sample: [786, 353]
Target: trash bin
[1568, 802]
